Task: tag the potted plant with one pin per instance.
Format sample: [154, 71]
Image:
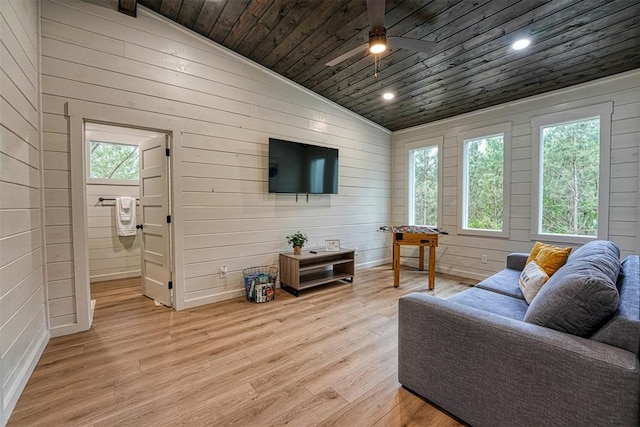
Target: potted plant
[298, 240]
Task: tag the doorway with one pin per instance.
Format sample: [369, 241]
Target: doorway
[122, 161]
[112, 173]
[79, 114]
[128, 209]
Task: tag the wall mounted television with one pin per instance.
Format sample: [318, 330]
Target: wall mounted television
[302, 168]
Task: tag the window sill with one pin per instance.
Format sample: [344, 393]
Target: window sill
[98, 181]
[484, 233]
[563, 238]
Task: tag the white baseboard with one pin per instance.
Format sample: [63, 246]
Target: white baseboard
[66, 330]
[464, 274]
[27, 369]
[197, 302]
[373, 263]
[93, 309]
[467, 274]
[115, 276]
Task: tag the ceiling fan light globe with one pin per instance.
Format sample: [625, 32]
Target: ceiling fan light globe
[377, 48]
[377, 43]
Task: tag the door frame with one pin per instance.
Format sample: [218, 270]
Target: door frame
[78, 113]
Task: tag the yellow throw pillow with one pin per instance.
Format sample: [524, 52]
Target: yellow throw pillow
[548, 257]
[531, 281]
[534, 252]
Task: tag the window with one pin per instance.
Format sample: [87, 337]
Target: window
[485, 181]
[571, 174]
[424, 182]
[113, 162]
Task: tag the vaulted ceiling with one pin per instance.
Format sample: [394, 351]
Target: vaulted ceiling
[472, 67]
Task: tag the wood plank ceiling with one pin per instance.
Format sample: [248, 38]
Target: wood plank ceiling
[473, 67]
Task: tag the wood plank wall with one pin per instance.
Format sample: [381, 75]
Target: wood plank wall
[23, 325]
[110, 256]
[57, 200]
[460, 254]
[229, 108]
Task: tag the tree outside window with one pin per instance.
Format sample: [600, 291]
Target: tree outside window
[423, 191]
[113, 161]
[571, 151]
[484, 183]
[570, 169]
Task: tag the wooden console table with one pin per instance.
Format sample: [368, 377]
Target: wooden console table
[306, 270]
[413, 237]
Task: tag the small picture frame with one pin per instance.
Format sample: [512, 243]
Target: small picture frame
[332, 245]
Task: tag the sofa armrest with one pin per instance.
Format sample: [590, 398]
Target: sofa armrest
[517, 260]
[491, 370]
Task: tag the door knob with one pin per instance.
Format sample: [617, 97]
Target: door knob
[139, 226]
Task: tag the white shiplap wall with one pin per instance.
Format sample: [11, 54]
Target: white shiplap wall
[57, 181]
[110, 256]
[229, 108]
[460, 254]
[23, 325]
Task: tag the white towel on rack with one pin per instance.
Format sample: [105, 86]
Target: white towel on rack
[125, 216]
[125, 208]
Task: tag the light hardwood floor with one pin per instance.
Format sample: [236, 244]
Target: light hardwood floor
[326, 358]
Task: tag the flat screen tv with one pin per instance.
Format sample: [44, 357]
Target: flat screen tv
[302, 168]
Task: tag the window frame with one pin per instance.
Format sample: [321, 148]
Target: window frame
[602, 111]
[409, 148]
[106, 181]
[503, 129]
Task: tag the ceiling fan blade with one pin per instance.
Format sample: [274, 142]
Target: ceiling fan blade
[375, 10]
[412, 44]
[347, 55]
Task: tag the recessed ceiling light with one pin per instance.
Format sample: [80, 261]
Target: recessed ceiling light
[388, 95]
[521, 44]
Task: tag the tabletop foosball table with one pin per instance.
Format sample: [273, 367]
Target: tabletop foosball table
[413, 235]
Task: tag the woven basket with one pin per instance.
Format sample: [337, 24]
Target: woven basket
[260, 283]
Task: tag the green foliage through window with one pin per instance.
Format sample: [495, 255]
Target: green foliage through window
[113, 161]
[570, 166]
[484, 182]
[424, 167]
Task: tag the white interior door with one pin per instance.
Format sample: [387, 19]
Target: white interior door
[154, 205]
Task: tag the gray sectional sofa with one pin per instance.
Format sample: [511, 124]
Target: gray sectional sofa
[568, 359]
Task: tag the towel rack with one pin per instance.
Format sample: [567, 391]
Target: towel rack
[102, 199]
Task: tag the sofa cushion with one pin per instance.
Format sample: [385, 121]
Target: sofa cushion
[623, 329]
[582, 295]
[550, 258]
[491, 302]
[531, 280]
[503, 282]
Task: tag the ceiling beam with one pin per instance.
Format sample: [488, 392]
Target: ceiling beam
[128, 7]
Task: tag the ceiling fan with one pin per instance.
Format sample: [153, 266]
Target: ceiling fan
[378, 39]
